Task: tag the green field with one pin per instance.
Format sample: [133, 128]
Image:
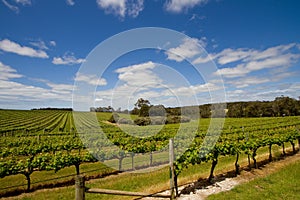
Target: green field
[42, 148]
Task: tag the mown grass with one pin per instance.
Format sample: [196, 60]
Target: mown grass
[283, 184]
[43, 178]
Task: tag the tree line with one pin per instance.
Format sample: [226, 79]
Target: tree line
[49, 108]
[279, 107]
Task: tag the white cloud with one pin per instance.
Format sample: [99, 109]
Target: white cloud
[195, 89]
[7, 72]
[52, 43]
[189, 48]
[60, 88]
[39, 44]
[231, 55]
[152, 81]
[272, 62]
[12, 47]
[122, 7]
[233, 72]
[15, 8]
[67, 59]
[178, 6]
[250, 60]
[246, 68]
[248, 81]
[245, 55]
[18, 93]
[23, 2]
[204, 59]
[11, 7]
[270, 52]
[116, 7]
[266, 92]
[196, 17]
[24, 96]
[70, 2]
[139, 75]
[135, 8]
[90, 79]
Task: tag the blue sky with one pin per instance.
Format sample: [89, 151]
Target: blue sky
[254, 45]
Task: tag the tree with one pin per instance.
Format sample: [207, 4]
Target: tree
[285, 106]
[143, 105]
[142, 102]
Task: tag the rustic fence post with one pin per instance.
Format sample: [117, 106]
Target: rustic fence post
[79, 188]
[172, 172]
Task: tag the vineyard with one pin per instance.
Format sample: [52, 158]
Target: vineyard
[44, 141]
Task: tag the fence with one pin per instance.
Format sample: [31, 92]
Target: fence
[80, 188]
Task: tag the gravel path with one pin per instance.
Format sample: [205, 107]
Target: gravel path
[195, 191]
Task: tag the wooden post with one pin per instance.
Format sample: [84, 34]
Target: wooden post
[172, 172]
[79, 188]
[132, 160]
[151, 158]
[38, 138]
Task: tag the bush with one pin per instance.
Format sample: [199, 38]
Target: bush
[185, 119]
[177, 119]
[114, 118]
[142, 121]
[125, 121]
[158, 120]
[145, 121]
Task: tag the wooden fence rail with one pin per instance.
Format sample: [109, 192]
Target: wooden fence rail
[80, 191]
[80, 188]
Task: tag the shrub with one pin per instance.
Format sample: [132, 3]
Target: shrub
[114, 118]
[185, 119]
[177, 119]
[158, 120]
[172, 119]
[142, 121]
[125, 121]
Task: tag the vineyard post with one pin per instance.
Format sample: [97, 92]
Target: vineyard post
[79, 188]
[172, 172]
[38, 138]
[132, 160]
[247, 138]
[298, 137]
[151, 158]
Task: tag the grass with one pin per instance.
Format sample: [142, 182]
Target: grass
[283, 184]
[146, 182]
[41, 178]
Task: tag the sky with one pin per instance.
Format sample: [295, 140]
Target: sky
[56, 53]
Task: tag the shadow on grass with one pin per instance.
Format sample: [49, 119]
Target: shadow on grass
[203, 183]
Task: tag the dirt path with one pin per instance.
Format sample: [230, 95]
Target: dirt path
[200, 190]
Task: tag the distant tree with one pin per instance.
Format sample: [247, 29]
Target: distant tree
[285, 106]
[205, 111]
[135, 111]
[143, 105]
[173, 111]
[142, 102]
